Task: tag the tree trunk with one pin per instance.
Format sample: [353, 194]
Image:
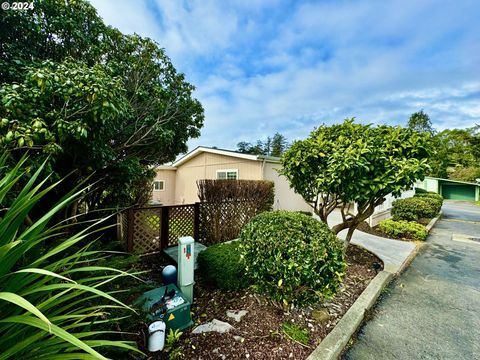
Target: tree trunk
[349, 235]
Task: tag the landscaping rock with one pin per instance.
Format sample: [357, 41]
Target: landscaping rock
[236, 315]
[239, 338]
[214, 325]
[321, 315]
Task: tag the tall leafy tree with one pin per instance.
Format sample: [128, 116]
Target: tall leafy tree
[102, 106]
[420, 121]
[272, 146]
[456, 154]
[354, 163]
[279, 145]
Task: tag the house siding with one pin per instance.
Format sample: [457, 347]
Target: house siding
[167, 195]
[285, 197]
[205, 166]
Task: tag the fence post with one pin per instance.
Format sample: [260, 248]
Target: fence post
[196, 221]
[164, 228]
[131, 224]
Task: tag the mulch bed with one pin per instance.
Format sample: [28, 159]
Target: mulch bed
[259, 334]
[371, 230]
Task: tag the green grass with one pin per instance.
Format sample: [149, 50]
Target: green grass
[296, 333]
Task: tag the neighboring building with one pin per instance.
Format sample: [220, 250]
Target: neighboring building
[452, 189]
[382, 212]
[177, 184]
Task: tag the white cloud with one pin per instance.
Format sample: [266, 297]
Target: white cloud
[262, 66]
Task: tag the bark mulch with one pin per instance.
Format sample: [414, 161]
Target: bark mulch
[259, 335]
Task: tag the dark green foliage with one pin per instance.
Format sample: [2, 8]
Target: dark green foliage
[415, 208]
[420, 191]
[292, 257]
[403, 229]
[221, 267]
[98, 105]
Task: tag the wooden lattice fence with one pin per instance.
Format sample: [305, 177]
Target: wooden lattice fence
[153, 228]
[220, 222]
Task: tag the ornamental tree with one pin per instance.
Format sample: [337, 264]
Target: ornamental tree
[350, 163]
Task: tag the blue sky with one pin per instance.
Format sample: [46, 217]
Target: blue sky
[262, 66]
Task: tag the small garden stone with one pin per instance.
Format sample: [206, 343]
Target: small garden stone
[321, 315]
[236, 315]
[214, 325]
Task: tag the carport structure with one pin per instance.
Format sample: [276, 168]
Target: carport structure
[453, 189]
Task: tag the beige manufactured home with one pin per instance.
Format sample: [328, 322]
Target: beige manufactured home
[177, 184]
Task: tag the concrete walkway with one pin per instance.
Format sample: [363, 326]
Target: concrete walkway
[393, 253]
[432, 311]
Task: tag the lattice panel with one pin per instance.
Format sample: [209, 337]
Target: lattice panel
[181, 223]
[146, 230]
[224, 221]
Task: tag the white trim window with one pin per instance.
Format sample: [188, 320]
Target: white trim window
[158, 185]
[227, 174]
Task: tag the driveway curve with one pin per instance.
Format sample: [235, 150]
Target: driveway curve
[432, 311]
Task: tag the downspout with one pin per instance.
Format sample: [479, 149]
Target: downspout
[263, 169]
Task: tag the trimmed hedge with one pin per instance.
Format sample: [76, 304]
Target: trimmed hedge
[431, 195]
[403, 229]
[424, 205]
[433, 202]
[221, 267]
[409, 209]
[308, 213]
[420, 191]
[292, 257]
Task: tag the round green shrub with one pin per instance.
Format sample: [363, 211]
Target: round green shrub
[292, 257]
[408, 209]
[434, 204]
[438, 199]
[414, 208]
[221, 267]
[403, 229]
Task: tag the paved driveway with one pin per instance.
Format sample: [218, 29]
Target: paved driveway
[433, 310]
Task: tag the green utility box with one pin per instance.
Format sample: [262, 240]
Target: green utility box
[174, 310]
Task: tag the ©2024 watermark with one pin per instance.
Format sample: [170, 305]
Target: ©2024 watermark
[17, 5]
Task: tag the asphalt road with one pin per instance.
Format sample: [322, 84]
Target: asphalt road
[432, 311]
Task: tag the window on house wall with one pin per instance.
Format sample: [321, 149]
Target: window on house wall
[159, 185]
[229, 174]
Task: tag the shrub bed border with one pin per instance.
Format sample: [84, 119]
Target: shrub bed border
[334, 343]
